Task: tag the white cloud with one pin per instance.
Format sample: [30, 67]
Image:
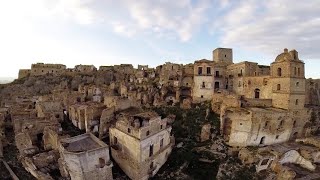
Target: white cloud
[183, 18]
[123, 29]
[268, 26]
[79, 11]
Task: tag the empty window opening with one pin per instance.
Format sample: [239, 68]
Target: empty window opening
[148, 132]
[277, 136]
[257, 93]
[199, 70]
[295, 70]
[225, 55]
[297, 84]
[151, 165]
[294, 123]
[203, 85]
[161, 126]
[217, 73]
[208, 70]
[279, 72]
[115, 140]
[201, 96]
[262, 141]
[129, 130]
[264, 162]
[298, 71]
[161, 143]
[102, 162]
[278, 87]
[297, 101]
[151, 150]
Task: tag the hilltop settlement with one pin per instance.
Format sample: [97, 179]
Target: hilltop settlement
[210, 119]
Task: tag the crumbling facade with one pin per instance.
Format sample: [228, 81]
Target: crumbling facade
[140, 142]
[264, 105]
[44, 69]
[85, 157]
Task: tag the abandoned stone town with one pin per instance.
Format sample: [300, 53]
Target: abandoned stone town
[210, 119]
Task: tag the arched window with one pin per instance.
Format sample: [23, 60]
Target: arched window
[278, 87]
[297, 101]
[279, 72]
[257, 93]
[295, 70]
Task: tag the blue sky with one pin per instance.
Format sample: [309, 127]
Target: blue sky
[107, 32]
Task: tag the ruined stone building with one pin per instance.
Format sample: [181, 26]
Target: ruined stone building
[140, 142]
[270, 103]
[210, 76]
[85, 157]
[43, 69]
[86, 116]
[85, 68]
[49, 109]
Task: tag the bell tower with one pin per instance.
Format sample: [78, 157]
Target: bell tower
[288, 81]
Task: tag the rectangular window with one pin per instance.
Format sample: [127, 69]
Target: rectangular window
[161, 126]
[129, 130]
[115, 140]
[161, 143]
[217, 73]
[151, 165]
[208, 70]
[148, 132]
[151, 150]
[199, 70]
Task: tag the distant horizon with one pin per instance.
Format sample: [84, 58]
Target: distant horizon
[153, 65]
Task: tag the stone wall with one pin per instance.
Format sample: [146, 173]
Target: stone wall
[312, 92]
[222, 55]
[24, 73]
[262, 126]
[43, 69]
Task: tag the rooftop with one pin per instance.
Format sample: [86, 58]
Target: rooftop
[82, 143]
